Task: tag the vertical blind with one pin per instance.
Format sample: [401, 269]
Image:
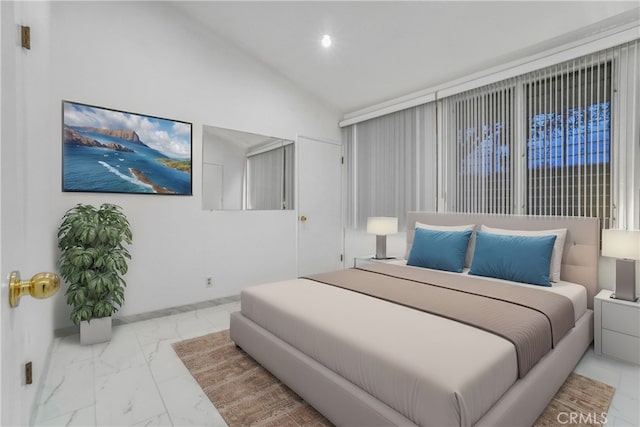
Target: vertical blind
[391, 165]
[564, 140]
[625, 126]
[568, 134]
[270, 179]
[546, 143]
[479, 130]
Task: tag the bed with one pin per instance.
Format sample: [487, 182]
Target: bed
[362, 359]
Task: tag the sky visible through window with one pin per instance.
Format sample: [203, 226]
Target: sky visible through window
[580, 136]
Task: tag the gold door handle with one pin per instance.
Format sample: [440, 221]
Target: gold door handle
[42, 285]
[303, 218]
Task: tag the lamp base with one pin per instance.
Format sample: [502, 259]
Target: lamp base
[625, 280]
[381, 247]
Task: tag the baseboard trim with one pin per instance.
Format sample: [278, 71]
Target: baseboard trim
[123, 320]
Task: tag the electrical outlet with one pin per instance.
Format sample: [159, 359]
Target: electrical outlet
[209, 282]
[28, 373]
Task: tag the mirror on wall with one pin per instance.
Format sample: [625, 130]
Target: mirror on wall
[246, 171]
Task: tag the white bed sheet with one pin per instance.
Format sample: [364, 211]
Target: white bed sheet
[432, 370]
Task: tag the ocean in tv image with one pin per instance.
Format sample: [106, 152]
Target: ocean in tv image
[117, 152]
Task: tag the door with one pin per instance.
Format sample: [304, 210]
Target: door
[319, 205]
[26, 331]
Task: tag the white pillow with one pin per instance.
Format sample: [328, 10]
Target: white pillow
[472, 239]
[558, 246]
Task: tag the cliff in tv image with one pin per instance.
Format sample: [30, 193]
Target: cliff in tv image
[140, 176]
[72, 137]
[125, 134]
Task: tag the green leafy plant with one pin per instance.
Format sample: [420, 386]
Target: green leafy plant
[93, 259]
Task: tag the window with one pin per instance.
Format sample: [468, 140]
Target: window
[569, 141]
[559, 141]
[481, 164]
[563, 140]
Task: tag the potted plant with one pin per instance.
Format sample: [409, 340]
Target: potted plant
[92, 261]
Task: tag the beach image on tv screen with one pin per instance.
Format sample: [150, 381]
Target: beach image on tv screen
[113, 151]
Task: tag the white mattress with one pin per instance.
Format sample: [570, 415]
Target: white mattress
[576, 293]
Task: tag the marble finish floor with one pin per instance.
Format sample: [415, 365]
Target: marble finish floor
[137, 380]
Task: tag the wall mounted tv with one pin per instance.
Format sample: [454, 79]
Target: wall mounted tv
[111, 151]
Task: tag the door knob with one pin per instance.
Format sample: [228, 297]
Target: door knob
[303, 218]
[42, 285]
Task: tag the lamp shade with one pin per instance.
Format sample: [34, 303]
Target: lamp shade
[382, 225]
[622, 244]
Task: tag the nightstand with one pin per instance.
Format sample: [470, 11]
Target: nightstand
[366, 259]
[617, 327]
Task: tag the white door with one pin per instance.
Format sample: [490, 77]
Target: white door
[319, 206]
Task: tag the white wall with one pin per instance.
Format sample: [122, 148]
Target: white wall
[140, 57]
[143, 57]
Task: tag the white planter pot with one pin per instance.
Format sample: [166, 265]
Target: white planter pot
[95, 331]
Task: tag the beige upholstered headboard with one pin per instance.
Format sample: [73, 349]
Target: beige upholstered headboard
[581, 248]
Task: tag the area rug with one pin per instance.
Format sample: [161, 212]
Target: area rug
[580, 401]
[246, 394]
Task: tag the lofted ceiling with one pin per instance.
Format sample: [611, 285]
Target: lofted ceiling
[385, 49]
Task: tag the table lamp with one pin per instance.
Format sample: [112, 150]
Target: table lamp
[381, 226]
[625, 246]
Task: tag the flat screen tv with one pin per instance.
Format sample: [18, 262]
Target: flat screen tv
[111, 151]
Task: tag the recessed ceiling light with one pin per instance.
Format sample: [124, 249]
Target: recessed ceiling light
[326, 40]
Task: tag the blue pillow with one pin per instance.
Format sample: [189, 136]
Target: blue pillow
[440, 250]
[523, 259]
